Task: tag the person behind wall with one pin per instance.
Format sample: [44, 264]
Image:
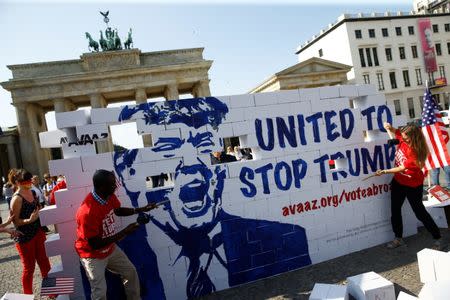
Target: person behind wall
[8, 192]
[412, 151]
[48, 186]
[96, 237]
[434, 173]
[30, 245]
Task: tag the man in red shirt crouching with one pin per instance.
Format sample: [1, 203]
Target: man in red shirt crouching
[96, 237]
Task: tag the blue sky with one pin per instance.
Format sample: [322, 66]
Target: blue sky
[247, 42]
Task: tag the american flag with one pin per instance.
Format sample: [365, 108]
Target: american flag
[435, 133]
[57, 286]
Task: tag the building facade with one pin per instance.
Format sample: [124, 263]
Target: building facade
[386, 50]
[314, 72]
[431, 6]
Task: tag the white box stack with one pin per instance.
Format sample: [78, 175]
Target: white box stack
[370, 286]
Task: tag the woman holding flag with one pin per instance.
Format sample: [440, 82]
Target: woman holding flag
[410, 157]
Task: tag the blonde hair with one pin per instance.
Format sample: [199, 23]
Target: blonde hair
[418, 143]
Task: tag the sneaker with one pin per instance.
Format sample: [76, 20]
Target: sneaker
[439, 245]
[398, 242]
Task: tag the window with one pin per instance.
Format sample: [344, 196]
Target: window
[406, 78]
[398, 31]
[375, 56]
[448, 48]
[371, 33]
[380, 81]
[435, 28]
[442, 71]
[388, 54]
[414, 51]
[366, 78]
[402, 52]
[361, 58]
[421, 103]
[411, 30]
[398, 109]
[419, 77]
[411, 108]
[393, 80]
[369, 57]
[385, 32]
[438, 49]
[320, 52]
[358, 34]
[447, 27]
[431, 78]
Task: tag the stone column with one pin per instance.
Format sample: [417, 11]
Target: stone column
[171, 92]
[140, 96]
[62, 105]
[98, 101]
[27, 147]
[201, 89]
[12, 158]
[37, 124]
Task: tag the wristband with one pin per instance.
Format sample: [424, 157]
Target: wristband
[134, 210]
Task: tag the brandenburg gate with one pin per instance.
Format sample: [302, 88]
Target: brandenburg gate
[96, 80]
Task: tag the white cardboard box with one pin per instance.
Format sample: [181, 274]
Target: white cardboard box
[323, 291]
[14, 296]
[405, 296]
[438, 290]
[370, 286]
[434, 265]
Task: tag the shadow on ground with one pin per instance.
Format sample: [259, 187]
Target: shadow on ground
[398, 265]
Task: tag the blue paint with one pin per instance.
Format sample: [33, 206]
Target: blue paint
[259, 134]
[265, 180]
[322, 160]
[383, 109]
[285, 131]
[389, 153]
[368, 114]
[314, 120]
[301, 129]
[354, 165]
[167, 144]
[375, 163]
[330, 126]
[299, 167]
[288, 180]
[346, 126]
[203, 139]
[245, 173]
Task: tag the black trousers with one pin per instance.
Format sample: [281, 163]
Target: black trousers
[398, 194]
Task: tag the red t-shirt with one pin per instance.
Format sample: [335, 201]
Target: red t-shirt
[59, 186]
[95, 219]
[413, 175]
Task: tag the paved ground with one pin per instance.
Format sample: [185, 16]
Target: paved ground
[399, 266]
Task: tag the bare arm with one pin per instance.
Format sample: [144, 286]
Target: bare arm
[390, 130]
[98, 242]
[128, 211]
[16, 205]
[391, 171]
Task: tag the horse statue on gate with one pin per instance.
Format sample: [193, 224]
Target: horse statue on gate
[117, 42]
[129, 41]
[92, 43]
[103, 43]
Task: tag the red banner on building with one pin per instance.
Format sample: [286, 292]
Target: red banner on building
[426, 40]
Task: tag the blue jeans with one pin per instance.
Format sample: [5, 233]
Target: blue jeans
[435, 176]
